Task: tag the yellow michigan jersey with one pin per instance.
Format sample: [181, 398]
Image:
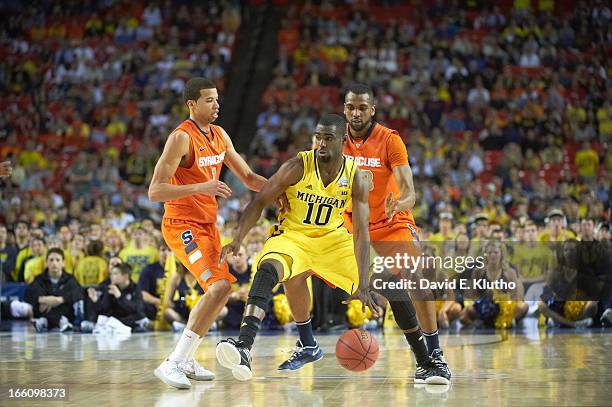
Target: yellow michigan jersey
[311, 237]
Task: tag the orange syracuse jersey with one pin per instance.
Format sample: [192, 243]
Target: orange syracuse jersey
[208, 151]
[376, 155]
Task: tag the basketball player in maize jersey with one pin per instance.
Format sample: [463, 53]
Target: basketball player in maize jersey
[319, 184]
[381, 156]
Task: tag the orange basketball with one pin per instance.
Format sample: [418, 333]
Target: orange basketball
[356, 350]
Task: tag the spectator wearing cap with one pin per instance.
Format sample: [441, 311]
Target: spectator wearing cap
[556, 228]
[53, 294]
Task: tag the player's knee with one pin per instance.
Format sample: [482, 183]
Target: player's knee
[405, 314]
[220, 289]
[263, 283]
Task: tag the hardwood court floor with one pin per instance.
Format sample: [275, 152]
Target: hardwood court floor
[540, 368]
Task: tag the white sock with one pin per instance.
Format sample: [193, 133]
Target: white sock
[194, 348]
[184, 346]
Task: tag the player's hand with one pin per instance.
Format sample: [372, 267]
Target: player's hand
[114, 291]
[215, 188]
[391, 206]
[283, 203]
[5, 169]
[365, 296]
[232, 247]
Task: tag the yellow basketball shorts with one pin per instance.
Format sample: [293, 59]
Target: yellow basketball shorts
[330, 257]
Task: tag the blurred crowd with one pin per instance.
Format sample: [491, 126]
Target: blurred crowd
[509, 111]
[89, 92]
[506, 114]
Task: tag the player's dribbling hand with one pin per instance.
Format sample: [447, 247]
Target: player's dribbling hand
[215, 188]
[232, 247]
[365, 296]
[391, 206]
[5, 169]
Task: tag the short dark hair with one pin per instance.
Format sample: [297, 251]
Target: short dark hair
[330, 119]
[95, 248]
[55, 250]
[193, 87]
[124, 268]
[359, 89]
[39, 239]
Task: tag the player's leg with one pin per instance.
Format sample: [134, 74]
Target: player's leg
[426, 313]
[403, 239]
[236, 354]
[182, 360]
[307, 348]
[198, 249]
[406, 318]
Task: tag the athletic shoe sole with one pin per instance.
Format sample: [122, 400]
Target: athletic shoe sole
[437, 380]
[229, 357]
[193, 376]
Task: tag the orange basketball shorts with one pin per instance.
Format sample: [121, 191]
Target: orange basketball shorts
[198, 247]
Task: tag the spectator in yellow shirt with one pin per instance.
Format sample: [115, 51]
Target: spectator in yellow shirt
[556, 230]
[92, 269]
[35, 265]
[138, 254]
[587, 162]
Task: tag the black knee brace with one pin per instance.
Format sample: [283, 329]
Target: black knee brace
[263, 283]
[404, 313]
[400, 302]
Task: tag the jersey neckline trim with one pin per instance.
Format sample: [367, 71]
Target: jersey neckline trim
[367, 135]
[316, 165]
[201, 131]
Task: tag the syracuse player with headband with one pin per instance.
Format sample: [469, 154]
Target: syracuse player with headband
[185, 178]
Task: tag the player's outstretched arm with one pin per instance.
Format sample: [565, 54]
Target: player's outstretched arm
[238, 166]
[361, 240]
[288, 174]
[160, 189]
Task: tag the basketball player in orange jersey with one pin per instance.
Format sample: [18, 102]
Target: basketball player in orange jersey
[186, 178]
[380, 153]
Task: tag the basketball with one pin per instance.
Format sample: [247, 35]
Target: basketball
[356, 350]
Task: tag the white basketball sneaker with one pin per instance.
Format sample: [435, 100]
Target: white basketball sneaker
[171, 373]
[193, 370]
